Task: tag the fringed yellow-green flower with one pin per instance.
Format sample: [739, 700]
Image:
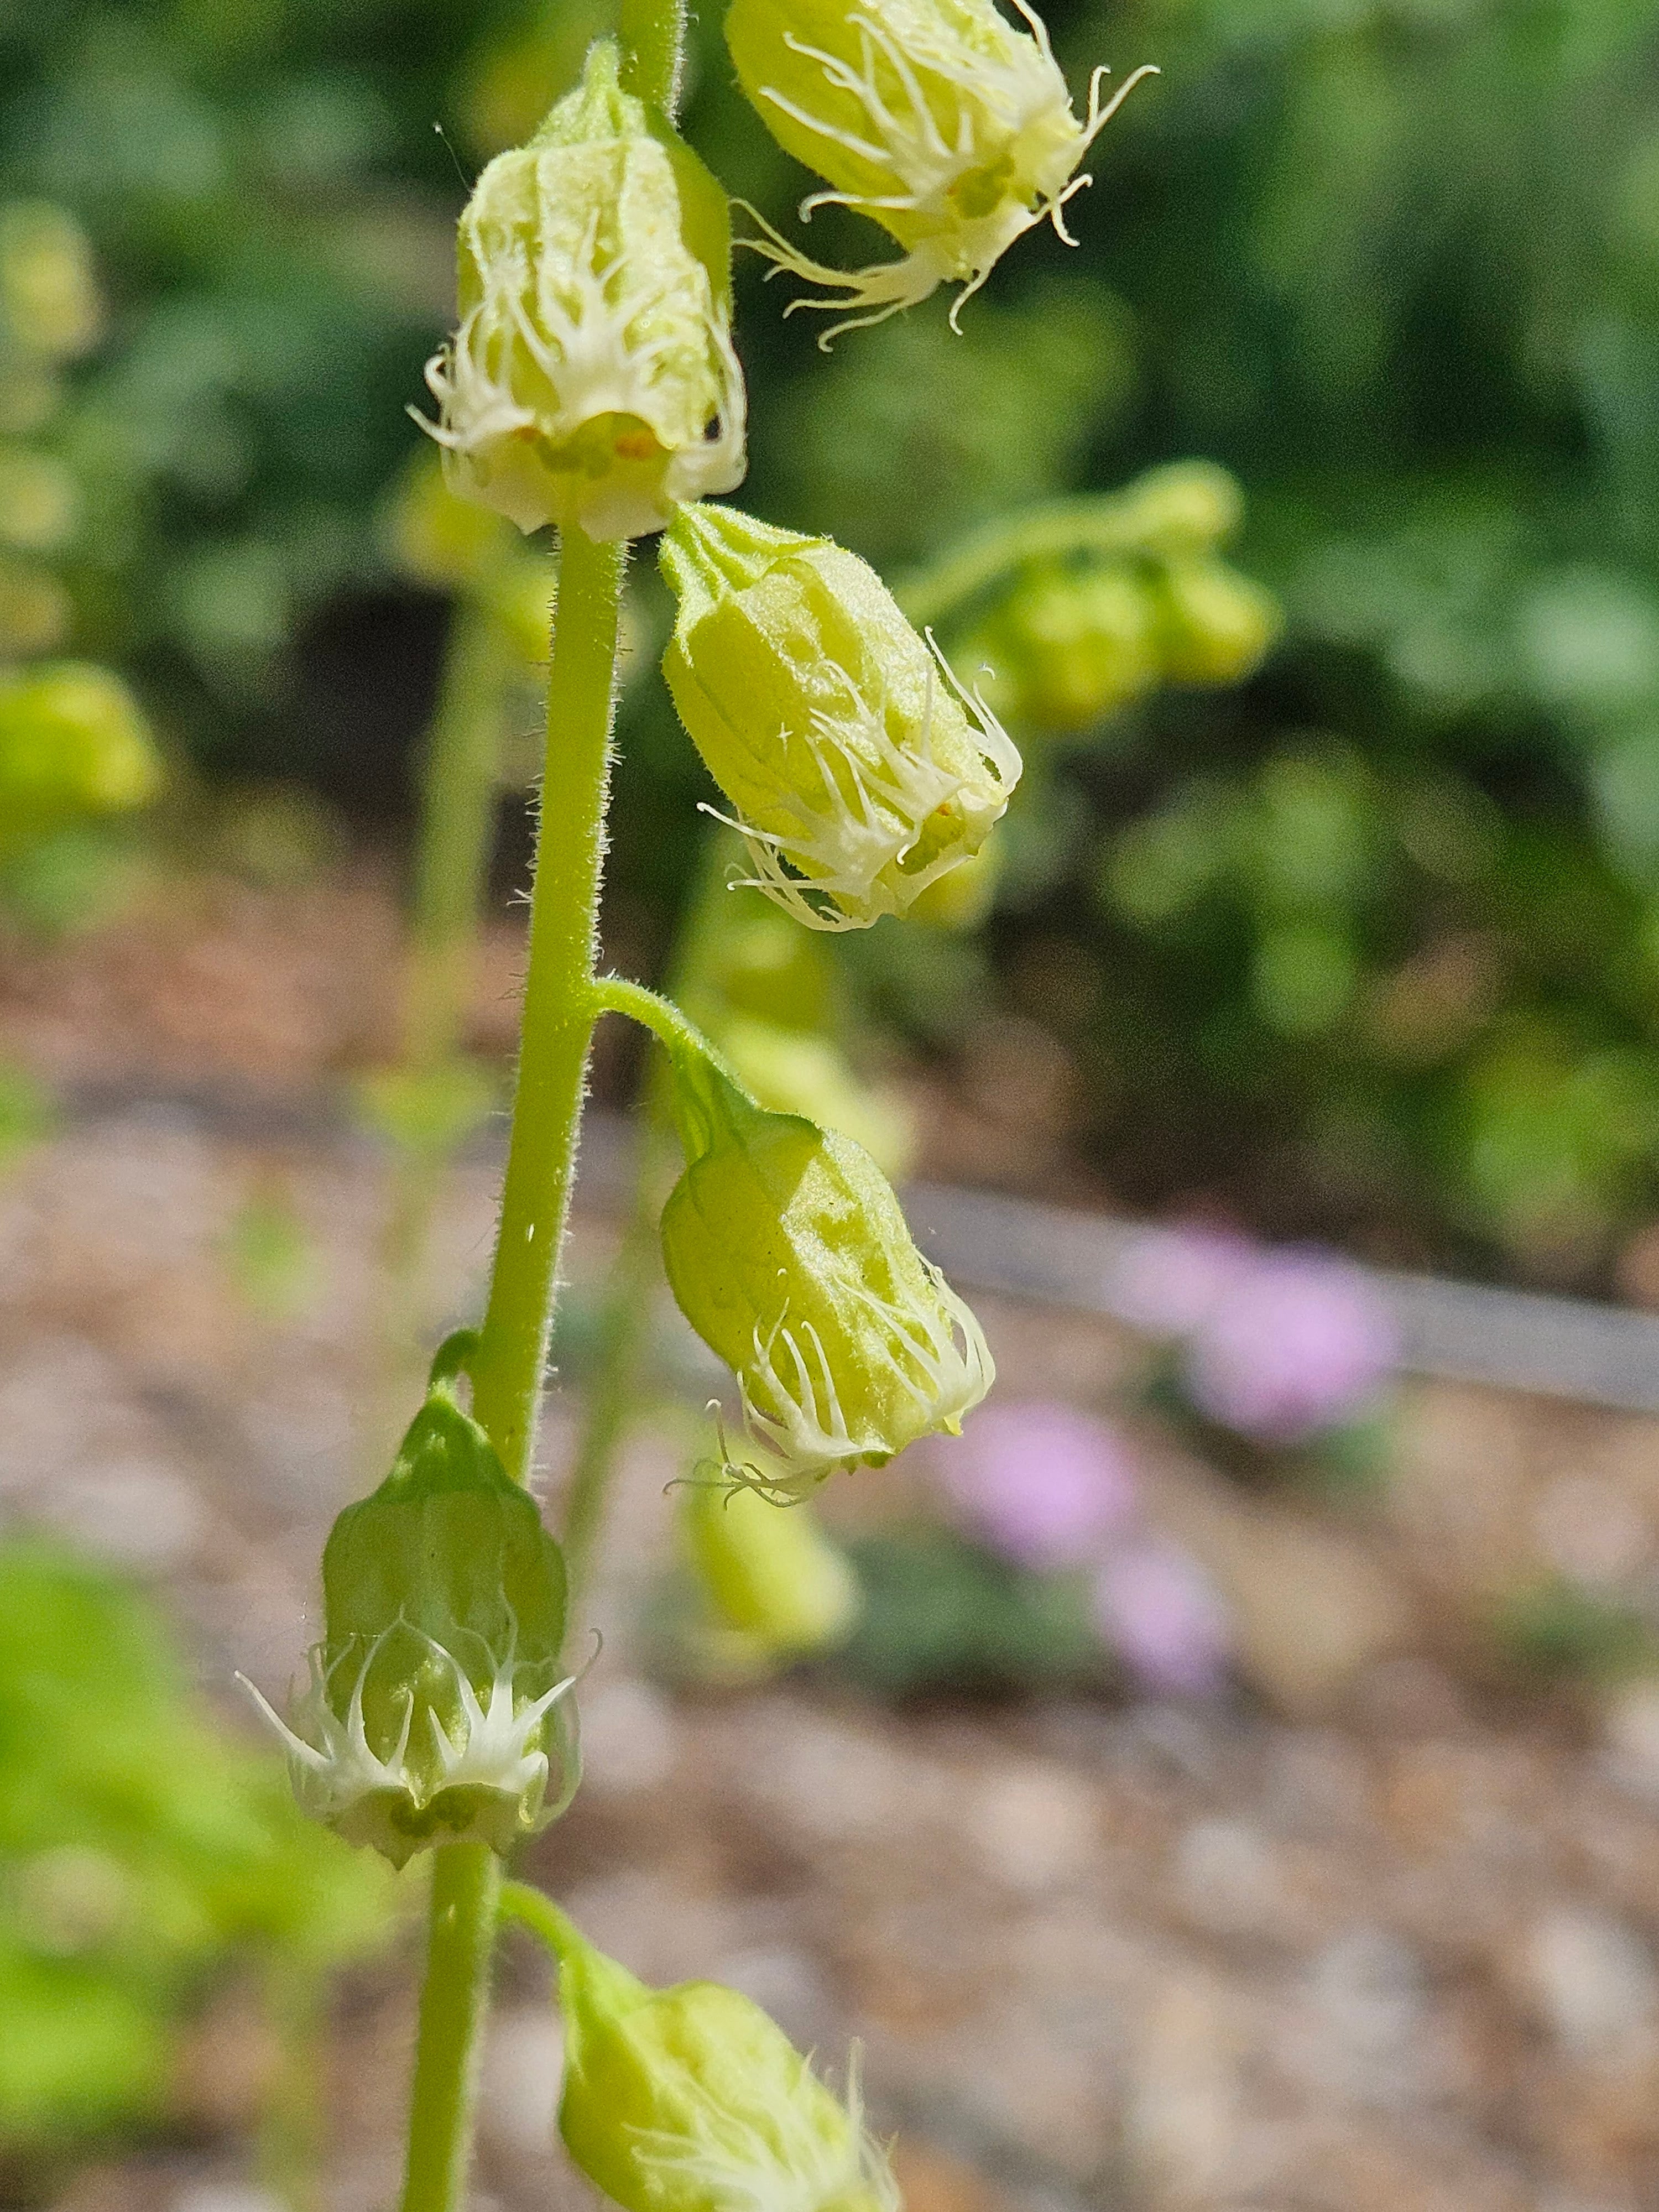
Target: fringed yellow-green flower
[860, 770]
[436, 1697]
[692, 2100]
[938, 118]
[591, 381]
[789, 1255]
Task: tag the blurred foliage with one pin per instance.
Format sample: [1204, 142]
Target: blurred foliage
[1369, 946]
[141, 1854]
[942, 1617]
[26, 1113]
[1556, 1629]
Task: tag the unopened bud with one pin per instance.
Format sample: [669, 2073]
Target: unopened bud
[936, 118]
[789, 1255]
[692, 2100]
[591, 380]
[1182, 508]
[435, 1696]
[1075, 644]
[860, 768]
[73, 743]
[1214, 625]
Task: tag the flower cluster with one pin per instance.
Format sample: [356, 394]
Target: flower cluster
[1078, 636]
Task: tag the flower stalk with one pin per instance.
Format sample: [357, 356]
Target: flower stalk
[559, 1013]
[508, 1364]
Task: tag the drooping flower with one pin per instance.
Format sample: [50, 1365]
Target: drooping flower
[938, 118]
[788, 1253]
[692, 2100]
[591, 380]
[860, 768]
[435, 1699]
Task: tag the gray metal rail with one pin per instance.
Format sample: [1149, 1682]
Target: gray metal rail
[1555, 1348]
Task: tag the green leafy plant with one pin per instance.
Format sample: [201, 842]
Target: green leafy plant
[145, 1855]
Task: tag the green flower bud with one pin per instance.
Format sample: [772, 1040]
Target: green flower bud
[1076, 643]
[1182, 508]
[788, 1253]
[73, 743]
[937, 118]
[436, 1694]
[853, 757]
[1214, 625]
[691, 2100]
[591, 380]
[769, 1573]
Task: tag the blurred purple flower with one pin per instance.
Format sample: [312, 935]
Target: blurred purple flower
[1039, 1482]
[1300, 1341]
[1168, 1280]
[1160, 1612]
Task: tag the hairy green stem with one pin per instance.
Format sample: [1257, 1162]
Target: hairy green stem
[653, 43]
[559, 1003]
[466, 1880]
[528, 1908]
[560, 1008]
[559, 1012]
[615, 994]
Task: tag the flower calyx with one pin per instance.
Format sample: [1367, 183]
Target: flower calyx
[591, 380]
[435, 1706]
[859, 769]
